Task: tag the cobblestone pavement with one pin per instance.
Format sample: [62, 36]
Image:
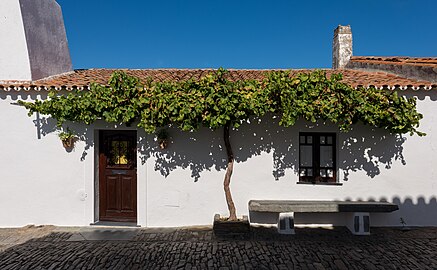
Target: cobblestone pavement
[198, 248]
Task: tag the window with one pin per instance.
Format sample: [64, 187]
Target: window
[317, 158]
[118, 152]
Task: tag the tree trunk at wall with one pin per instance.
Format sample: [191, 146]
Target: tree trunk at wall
[229, 169]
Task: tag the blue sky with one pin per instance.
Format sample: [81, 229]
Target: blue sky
[241, 34]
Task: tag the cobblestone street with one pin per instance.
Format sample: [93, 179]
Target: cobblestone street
[50, 247]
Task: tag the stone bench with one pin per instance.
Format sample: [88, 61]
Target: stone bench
[358, 221]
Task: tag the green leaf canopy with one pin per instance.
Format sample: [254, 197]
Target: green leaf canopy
[214, 101]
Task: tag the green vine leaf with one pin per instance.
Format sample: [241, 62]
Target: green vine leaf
[215, 101]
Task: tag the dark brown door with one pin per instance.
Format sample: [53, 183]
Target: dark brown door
[118, 176]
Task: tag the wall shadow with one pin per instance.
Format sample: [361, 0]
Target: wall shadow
[266, 136]
[361, 149]
[46, 125]
[368, 149]
[419, 94]
[24, 95]
[196, 151]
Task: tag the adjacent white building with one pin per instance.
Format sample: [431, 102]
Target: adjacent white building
[118, 173]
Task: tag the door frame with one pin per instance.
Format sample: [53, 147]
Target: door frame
[99, 172]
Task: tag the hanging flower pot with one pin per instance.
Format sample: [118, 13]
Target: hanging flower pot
[68, 143]
[163, 138]
[67, 139]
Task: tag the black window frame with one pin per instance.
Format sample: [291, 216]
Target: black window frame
[316, 178]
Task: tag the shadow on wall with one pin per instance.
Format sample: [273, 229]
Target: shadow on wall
[368, 149]
[197, 151]
[421, 95]
[45, 125]
[419, 212]
[361, 149]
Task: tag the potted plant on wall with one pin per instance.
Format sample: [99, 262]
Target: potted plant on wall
[163, 138]
[68, 138]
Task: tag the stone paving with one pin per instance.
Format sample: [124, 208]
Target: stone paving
[51, 247]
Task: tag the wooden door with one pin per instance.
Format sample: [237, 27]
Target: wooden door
[118, 176]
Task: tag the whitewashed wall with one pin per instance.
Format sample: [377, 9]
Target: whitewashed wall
[41, 183]
[34, 43]
[15, 62]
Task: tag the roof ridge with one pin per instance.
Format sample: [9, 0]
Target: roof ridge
[53, 76]
[194, 69]
[82, 79]
[388, 57]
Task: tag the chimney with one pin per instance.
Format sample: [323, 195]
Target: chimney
[341, 46]
[33, 40]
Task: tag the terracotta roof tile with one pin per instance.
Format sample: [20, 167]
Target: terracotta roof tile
[397, 60]
[80, 79]
[416, 68]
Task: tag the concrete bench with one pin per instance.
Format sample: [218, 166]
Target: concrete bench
[358, 221]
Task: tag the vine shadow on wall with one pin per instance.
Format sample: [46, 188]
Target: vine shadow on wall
[203, 150]
[45, 125]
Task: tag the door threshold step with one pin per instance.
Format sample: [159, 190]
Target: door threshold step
[115, 224]
[104, 234]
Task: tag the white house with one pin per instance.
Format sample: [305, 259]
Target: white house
[42, 183]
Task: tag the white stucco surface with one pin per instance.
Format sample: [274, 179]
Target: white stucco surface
[42, 183]
[14, 56]
[34, 42]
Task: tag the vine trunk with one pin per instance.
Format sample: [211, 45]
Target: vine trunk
[229, 170]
